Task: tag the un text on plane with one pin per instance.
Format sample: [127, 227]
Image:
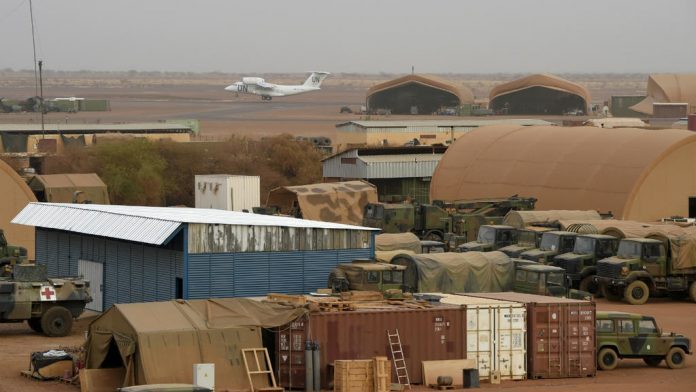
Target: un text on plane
[258, 86]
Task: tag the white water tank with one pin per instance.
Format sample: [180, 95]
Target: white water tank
[227, 192]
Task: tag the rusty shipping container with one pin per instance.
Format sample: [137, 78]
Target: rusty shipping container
[560, 335]
[426, 334]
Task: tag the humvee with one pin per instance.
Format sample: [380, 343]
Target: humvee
[629, 335]
[48, 305]
[367, 275]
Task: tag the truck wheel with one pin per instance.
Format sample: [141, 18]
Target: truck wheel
[692, 291]
[637, 293]
[56, 321]
[652, 361]
[675, 358]
[607, 359]
[609, 293]
[586, 284]
[433, 236]
[35, 324]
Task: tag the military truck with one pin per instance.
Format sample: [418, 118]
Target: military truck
[581, 264]
[48, 305]
[367, 275]
[645, 266]
[454, 223]
[10, 255]
[535, 278]
[527, 239]
[629, 335]
[490, 237]
[552, 244]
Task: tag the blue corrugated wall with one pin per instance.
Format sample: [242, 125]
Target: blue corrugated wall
[258, 273]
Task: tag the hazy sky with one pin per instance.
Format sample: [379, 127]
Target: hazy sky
[437, 36]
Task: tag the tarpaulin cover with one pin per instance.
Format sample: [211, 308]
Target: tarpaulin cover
[337, 202]
[398, 241]
[61, 188]
[682, 244]
[158, 342]
[451, 272]
[386, 256]
[521, 219]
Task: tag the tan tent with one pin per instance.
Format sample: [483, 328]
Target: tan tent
[398, 241]
[521, 219]
[337, 202]
[158, 342]
[524, 96]
[428, 93]
[62, 188]
[14, 196]
[636, 174]
[668, 88]
[681, 243]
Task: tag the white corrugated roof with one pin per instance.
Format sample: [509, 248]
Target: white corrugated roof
[401, 158]
[152, 225]
[33, 127]
[444, 123]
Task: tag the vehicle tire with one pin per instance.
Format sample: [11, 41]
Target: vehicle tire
[607, 359]
[35, 324]
[675, 358]
[692, 291]
[637, 293]
[609, 294]
[652, 361]
[433, 236]
[586, 284]
[56, 321]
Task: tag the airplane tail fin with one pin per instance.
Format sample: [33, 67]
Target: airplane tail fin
[315, 79]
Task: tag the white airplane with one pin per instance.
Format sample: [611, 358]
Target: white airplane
[258, 86]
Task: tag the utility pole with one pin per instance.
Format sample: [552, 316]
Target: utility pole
[41, 99]
[33, 42]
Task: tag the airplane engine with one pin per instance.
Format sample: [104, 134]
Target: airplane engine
[252, 80]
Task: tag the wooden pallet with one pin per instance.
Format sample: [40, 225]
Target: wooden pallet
[335, 306]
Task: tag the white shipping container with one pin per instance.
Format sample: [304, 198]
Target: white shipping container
[227, 192]
[496, 335]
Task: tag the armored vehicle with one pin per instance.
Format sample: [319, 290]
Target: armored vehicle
[628, 335]
[535, 278]
[367, 275]
[552, 243]
[644, 266]
[455, 222]
[490, 237]
[581, 264]
[48, 305]
[10, 255]
[527, 239]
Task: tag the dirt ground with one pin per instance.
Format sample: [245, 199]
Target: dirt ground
[17, 341]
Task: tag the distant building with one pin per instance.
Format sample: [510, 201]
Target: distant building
[541, 94]
[30, 138]
[227, 192]
[416, 94]
[397, 172]
[355, 134]
[70, 188]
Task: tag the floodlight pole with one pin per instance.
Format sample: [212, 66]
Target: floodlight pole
[41, 99]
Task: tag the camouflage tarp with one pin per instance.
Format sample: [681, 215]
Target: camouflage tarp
[400, 241]
[450, 272]
[520, 219]
[337, 202]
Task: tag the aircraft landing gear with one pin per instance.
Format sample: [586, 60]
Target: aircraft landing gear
[266, 98]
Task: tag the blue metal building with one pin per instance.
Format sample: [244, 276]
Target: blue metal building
[140, 254]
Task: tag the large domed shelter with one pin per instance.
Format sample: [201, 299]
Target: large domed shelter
[636, 174]
[668, 88]
[540, 94]
[425, 94]
[15, 194]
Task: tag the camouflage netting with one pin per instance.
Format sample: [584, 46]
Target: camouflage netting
[520, 219]
[469, 272]
[400, 241]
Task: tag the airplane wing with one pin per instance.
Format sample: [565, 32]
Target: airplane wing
[264, 85]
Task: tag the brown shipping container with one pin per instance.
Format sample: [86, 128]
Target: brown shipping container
[426, 334]
[560, 335]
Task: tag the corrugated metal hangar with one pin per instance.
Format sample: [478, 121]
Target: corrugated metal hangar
[142, 254]
[416, 94]
[636, 174]
[540, 94]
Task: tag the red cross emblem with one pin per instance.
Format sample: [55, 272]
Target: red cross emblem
[47, 293]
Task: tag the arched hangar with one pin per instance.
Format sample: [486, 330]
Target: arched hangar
[416, 94]
[636, 174]
[14, 196]
[541, 94]
[669, 88]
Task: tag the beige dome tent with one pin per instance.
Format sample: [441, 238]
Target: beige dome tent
[15, 194]
[521, 219]
[668, 88]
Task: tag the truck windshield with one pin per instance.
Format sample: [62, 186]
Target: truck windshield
[549, 242]
[393, 277]
[555, 279]
[486, 235]
[584, 246]
[629, 250]
[526, 237]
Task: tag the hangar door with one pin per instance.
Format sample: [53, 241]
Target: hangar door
[94, 273]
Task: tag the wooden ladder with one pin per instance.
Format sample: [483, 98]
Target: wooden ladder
[259, 368]
[397, 353]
